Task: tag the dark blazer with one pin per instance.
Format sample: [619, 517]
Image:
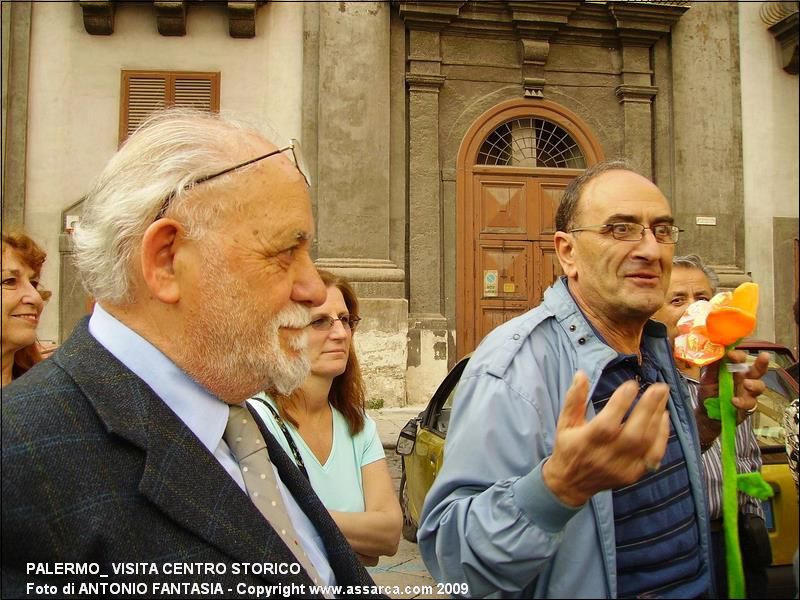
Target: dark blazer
[97, 469]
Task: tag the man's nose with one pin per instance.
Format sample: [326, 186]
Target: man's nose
[308, 287]
[649, 247]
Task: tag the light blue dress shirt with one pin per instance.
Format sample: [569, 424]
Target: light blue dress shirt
[202, 412]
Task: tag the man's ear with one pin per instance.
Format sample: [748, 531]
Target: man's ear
[565, 251]
[159, 246]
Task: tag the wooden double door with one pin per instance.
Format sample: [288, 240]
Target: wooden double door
[512, 259]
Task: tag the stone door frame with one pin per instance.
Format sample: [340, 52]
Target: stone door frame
[465, 202]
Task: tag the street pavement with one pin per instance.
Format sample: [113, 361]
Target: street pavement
[405, 570]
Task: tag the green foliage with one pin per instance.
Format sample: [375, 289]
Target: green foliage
[375, 403]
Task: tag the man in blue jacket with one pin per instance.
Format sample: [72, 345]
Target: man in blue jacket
[572, 460]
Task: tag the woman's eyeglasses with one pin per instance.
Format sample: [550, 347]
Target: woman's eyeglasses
[12, 280]
[324, 323]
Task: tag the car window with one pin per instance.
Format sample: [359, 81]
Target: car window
[767, 421]
[442, 419]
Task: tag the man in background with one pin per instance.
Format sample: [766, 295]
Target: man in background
[691, 281]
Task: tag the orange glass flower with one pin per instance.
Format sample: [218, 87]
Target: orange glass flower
[734, 317]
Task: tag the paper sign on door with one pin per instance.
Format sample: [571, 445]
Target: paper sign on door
[490, 283]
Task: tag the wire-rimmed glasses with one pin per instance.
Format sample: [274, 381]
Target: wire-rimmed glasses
[634, 232]
[293, 148]
[325, 322]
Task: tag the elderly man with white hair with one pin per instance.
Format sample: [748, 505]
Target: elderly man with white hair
[132, 450]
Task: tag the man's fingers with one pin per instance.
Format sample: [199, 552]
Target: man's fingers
[759, 367]
[656, 451]
[647, 414]
[617, 406]
[574, 411]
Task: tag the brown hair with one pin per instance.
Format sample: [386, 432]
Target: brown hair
[568, 206]
[347, 390]
[33, 256]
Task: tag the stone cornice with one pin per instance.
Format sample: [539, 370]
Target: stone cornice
[417, 82]
[432, 14]
[636, 93]
[540, 20]
[597, 23]
[362, 269]
[644, 23]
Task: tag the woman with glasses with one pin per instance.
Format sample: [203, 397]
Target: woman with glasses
[23, 302]
[324, 428]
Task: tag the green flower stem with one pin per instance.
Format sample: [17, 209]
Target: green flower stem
[730, 506]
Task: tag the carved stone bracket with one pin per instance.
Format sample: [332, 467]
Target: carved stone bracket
[242, 19]
[537, 23]
[98, 17]
[644, 23]
[418, 82]
[782, 20]
[534, 58]
[171, 17]
[636, 93]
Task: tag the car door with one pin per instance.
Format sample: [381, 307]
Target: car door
[426, 459]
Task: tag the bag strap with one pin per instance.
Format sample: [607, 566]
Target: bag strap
[298, 459]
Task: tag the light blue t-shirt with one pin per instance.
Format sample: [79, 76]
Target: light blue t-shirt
[338, 482]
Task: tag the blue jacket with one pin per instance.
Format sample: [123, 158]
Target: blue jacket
[489, 520]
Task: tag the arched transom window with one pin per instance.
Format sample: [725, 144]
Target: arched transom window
[531, 142]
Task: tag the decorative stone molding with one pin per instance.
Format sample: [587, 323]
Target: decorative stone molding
[644, 23]
[362, 269]
[171, 17]
[98, 17]
[418, 82]
[371, 278]
[636, 93]
[432, 14]
[540, 20]
[782, 20]
[730, 277]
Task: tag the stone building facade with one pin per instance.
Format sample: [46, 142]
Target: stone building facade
[439, 135]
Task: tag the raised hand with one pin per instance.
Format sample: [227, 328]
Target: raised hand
[604, 453]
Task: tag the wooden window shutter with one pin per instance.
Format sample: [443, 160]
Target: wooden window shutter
[144, 92]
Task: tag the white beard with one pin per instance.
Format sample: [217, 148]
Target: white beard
[239, 350]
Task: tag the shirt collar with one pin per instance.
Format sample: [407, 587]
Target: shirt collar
[202, 412]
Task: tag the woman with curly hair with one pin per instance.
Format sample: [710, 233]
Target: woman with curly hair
[23, 302]
[324, 428]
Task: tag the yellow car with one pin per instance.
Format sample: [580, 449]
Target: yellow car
[421, 445]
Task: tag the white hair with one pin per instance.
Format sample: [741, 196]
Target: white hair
[158, 163]
[693, 261]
